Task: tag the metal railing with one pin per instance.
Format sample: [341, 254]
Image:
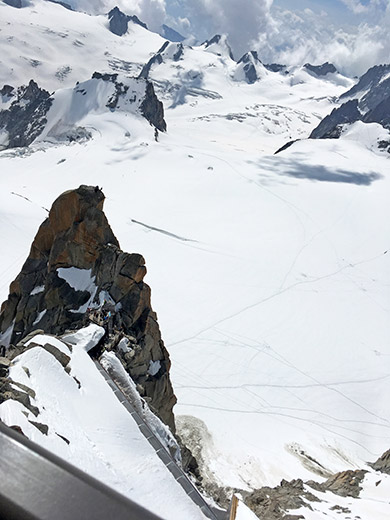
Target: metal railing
[37, 485]
[177, 472]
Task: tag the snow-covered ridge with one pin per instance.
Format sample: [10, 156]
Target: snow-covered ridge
[75, 414]
[68, 115]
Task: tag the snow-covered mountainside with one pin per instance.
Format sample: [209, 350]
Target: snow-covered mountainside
[269, 273]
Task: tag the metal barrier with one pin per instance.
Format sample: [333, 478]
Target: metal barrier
[37, 485]
[162, 452]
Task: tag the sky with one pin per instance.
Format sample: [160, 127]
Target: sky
[352, 34]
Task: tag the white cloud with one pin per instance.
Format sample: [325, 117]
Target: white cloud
[312, 38]
[240, 20]
[292, 37]
[152, 12]
[355, 6]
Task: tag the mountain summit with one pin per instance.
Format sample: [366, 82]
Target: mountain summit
[76, 273]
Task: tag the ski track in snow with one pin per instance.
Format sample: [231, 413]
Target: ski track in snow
[270, 280]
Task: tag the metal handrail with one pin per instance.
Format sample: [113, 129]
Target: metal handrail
[162, 452]
[35, 484]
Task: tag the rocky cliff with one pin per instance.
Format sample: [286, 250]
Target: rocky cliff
[76, 273]
[367, 101]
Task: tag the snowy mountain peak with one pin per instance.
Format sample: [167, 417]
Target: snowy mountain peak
[250, 68]
[219, 45]
[31, 113]
[118, 21]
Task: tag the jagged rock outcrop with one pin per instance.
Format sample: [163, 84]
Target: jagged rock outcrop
[150, 107]
[219, 45]
[272, 503]
[119, 21]
[383, 463]
[25, 119]
[252, 67]
[331, 126]
[344, 484]
[26, 112]
[168, 51]
[368, 101]
[372, 88]
[76, 272]
[321, 70]
[280, 502]
[276, 67]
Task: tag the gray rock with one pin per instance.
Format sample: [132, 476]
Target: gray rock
[344, 484]
[370, 103]
[4, 366]
[7, 391]
[7, 91]
[60, 356]
[374, 84]
[216, 40]
[272, 503]
[321, 70]
[155, 59]
[250, 59]
[26, 117]
[43, 428]
[119, 21]
[151, 108]
[276, 67]
[14, 3]
[331, 126]
[383, 463]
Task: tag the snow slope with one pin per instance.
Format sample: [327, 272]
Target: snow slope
[89, 427]
[269, 273]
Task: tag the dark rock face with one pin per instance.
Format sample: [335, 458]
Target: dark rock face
[7, 91]
[276, 67]
[158, 58]
[321, 70]
[371, 104]
[331, 125]
[152, 109]
[380, 114]
[119, 21]
[383, 463]
[374, 84]
[250, 59]
[217, 39]
[26, 117]
[76, 272]
[170, 34]
[14, 3]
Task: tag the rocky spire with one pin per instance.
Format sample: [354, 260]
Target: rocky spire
[75, 273]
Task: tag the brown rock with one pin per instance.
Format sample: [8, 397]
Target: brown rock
[77, 234]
